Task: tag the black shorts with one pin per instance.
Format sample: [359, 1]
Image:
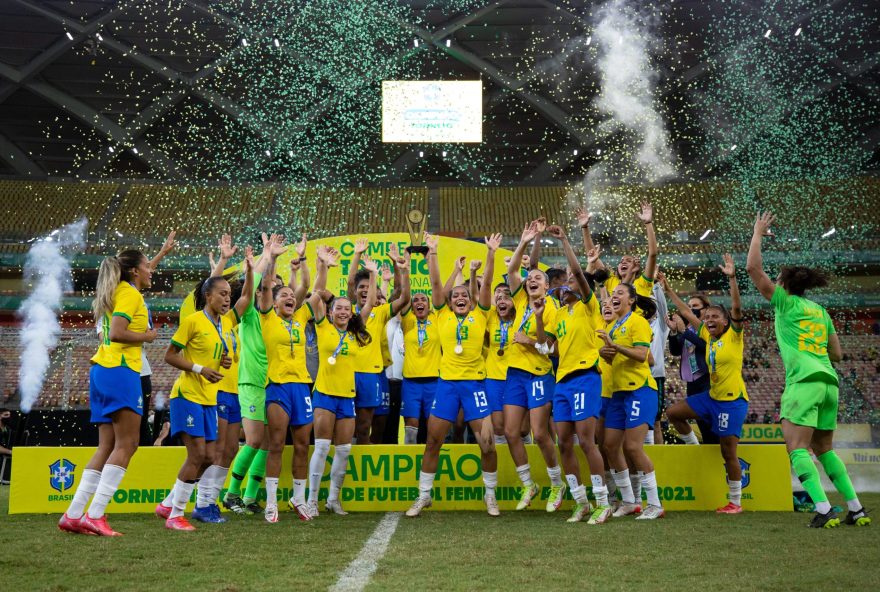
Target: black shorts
[661, 396]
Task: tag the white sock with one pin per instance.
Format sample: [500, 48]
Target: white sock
[316, 467]
[337, 470]
[490, 482]
[555, 474]
[219, 481]
[649, 484]
[500, 439]
[271, 492]
[572, 481]
[426, 483]
[168, 502]
[621, 479]
[609, 481]
[854, 505]
[636, 484]
[649, 436]
[690, 437]
[88, 484]
[182, 492]
[735, 488]
[600, 492]
[111, 477]
[578, 490]
[207, 494]
[823, 507]
[299, 491]
[525, 474]
[410, 435]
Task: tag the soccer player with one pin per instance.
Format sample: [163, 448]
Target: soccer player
[577, 399]
[462, 370]
[115, 394]
[252, 379]
[370, 363]
[205, 350]
[288, 398]
[342, 336]
[633, 405]
[529, 384]
[808, 344]
[499, 338]
[421, 364]
[725, 405]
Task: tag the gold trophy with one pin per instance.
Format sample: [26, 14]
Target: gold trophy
[415, 223]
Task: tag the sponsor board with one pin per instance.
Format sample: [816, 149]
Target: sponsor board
[771, 433]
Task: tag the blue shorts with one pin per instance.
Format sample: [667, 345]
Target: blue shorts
[453, 395]
[417, 397]
[630, 409]
[228, 408]
[603, 410]
[343, 407]
[385, 404]
[368, 390]
[725, 417]
[578, 396]
[495, 392]
[528, 390]
[112, 389]
[199, 421]
[294, 398]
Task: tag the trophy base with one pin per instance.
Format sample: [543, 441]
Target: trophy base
[412, 249]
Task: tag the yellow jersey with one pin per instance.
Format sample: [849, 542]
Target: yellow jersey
[644, 286]
[129, 304]
[229, 384]
[286, 345]
[521, 356]
[467, 333]
[724, 358]
[370, 358]
[421, 345]
[607, 379]
[498, 332]
[627, 374]
[575, 331]
[336, 379]
[202, 342]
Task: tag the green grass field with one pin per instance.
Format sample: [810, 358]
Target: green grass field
[448, 551]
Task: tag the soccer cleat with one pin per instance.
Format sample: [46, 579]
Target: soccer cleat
[301, 509]
[857, 518]
[234, 503]
[207, 514]
[730, 508]
[828, 520]
[68, 524]
[600, 515]
[557, 494]
[580, 512]
[271, 514]
[651, 513]
[163, 512]
[312, 508]
[179, 523]
[527, 494]
[417, 506]
[97, 526]
[335, 506]
[253, 507]
[625, 509]
[492, 505]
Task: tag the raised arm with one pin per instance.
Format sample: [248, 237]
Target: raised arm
[754, 262]
[385, 276]
[300, 290]
[401, 266]
[453, 279]
[535, 253]
[646, 217]
[513, 278]
[373, 288]
[573, 263]
[266, 266]
[438, 298]
[360, 246]
[167, 247]
[326, 258]
[583, 220]
[736, 313]
[247, 290]
[227, 251]
[394, 253]
[683, 309]
[492, 243]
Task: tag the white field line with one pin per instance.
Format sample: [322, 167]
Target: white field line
[358, 573]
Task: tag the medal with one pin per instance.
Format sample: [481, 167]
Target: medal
[331, 360]
[500, 352]
[458, 349]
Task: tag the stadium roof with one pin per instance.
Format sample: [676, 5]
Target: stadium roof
[104, 89]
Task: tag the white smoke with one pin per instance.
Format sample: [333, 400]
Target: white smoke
[47, 273]
[159, 401]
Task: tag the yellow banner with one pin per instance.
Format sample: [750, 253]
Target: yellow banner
[385, 478]
[859, 456]
[771, 433]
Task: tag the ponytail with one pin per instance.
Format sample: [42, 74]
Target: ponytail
[357, 328]
[647, 305]
[109, 275]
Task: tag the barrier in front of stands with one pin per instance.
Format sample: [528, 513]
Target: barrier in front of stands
[385, 478]
[771, 433]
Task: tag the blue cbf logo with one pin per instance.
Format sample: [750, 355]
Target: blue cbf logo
[61, 474]
[745, 472]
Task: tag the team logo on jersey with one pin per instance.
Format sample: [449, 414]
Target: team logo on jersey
[222, 408]
[61, 475]
[141, 402]
[623, 330]
[253, 408]
[296, 324]
[190, 422]
[470, 319]
[745, 472]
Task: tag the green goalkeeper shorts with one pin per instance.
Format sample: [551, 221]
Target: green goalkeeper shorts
[810, 403]
[253, 402]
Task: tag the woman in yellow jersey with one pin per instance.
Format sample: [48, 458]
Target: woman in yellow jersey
[499, 338]
[529, 384]
[633, 406]
[421, 364]
[370, 363]
[288, 397]
[199, 349]
[607, 392]
[577, 400]
[462, 370]
[342, 336]
[726, 404]
[115, 394]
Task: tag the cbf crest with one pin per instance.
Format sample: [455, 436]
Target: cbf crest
[61, 475]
